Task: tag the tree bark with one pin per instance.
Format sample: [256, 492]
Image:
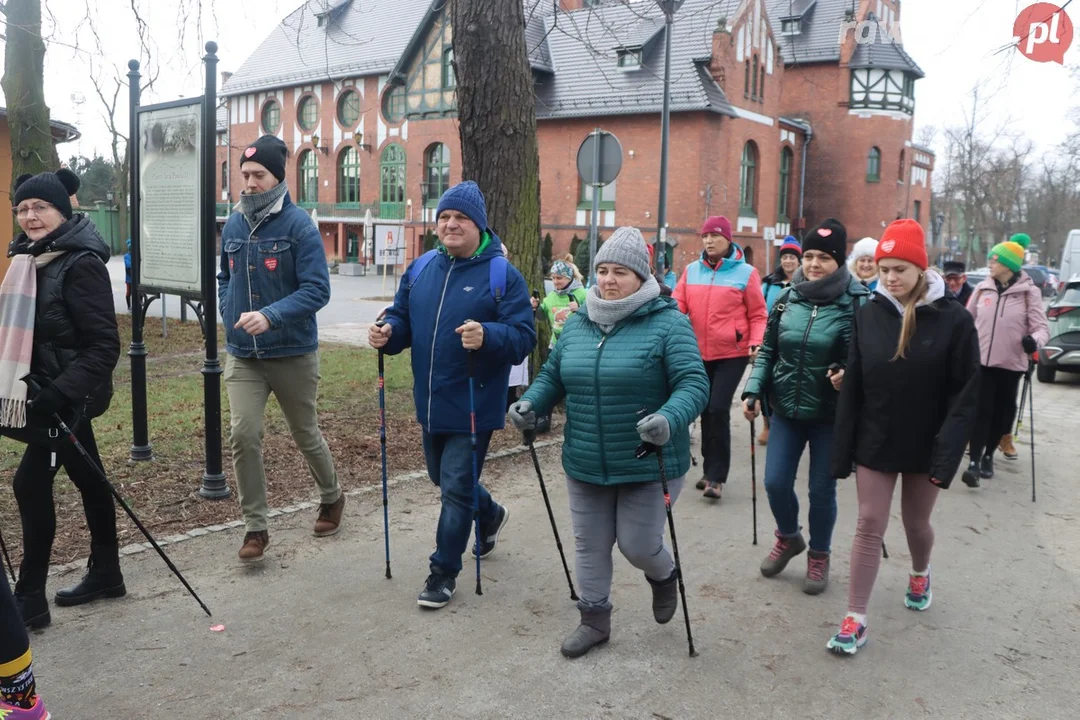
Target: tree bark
[497, 124]
[32, 148]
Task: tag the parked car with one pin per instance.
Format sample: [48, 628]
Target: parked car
[976, 276]
[1040, 275]
[1062, 352]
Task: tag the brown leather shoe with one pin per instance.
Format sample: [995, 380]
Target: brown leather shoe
[763, 436]
[329, 520]
[254, 545]
[1007, 448]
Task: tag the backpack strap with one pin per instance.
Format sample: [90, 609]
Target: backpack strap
[497, 271]
[418, 266]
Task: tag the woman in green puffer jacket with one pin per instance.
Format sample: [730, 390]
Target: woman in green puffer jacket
[629, 367]
[799, 371]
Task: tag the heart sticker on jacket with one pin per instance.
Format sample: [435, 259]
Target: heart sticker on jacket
[887, 246]
[271, 264]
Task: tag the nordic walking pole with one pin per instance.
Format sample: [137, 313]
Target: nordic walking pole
[643, 451]
[116, 495]
[382, 443]
[884, 551]
[753, 475]
[7, 557]
[475, 463]
[1023, 400]
[530, 437]
[1031, 424]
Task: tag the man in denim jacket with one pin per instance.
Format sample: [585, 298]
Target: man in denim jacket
[273, 280]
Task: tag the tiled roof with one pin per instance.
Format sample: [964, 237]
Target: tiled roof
[884, 55]
[588, 82]
[536, 42]
[819, 39]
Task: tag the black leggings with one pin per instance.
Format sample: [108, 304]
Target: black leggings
[13, 639]
[997, 409]
[724, 376]
[34, 493]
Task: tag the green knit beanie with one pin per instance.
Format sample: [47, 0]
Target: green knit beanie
[1021, 239]
[1009, 253]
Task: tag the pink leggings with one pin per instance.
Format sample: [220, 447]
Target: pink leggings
[875, 491]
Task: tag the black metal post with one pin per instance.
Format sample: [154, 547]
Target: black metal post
[140, 433]
[213, 480]
[669, 7]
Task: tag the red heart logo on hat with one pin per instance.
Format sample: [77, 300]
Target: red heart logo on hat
[250, 152]
[887, 246]
[824, 232]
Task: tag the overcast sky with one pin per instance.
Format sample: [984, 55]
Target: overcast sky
[954, 41]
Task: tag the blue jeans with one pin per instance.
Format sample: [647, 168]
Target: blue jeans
[449, 465]
[787, 439]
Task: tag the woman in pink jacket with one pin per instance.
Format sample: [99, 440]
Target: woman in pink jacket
[1011, 321]
[721, 293]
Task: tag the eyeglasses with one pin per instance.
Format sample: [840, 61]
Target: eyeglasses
[38, 209]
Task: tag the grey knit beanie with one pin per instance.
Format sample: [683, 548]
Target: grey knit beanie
[626, 247]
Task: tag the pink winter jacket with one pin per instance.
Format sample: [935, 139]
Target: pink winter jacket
[1003, 321]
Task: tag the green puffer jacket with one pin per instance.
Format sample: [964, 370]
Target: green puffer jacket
[801, 341]
[649, 363]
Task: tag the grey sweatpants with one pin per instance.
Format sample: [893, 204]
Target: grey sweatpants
[632, 514]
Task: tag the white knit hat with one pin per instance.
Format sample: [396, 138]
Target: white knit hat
[864, 248]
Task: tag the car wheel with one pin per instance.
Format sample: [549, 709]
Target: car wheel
[1045, 373]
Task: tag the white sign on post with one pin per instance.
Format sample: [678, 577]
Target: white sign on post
[170, 197]
[389, 248]
[769, 233]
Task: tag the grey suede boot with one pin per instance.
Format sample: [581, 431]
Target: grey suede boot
[595, 629]
[665, 597]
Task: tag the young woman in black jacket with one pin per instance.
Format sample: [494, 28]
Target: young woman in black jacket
[907, 406]
[64, 308]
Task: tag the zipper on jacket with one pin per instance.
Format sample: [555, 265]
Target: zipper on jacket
[993, 328]
[600, 414]
[247, 262]
[802, 358]
[434, 337]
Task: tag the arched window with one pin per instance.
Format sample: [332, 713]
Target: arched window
[748, 180]
[902, 158]
[746, 87]
[271, 117]
[873, 165]
[308, 172]
[783, 203]
[349, 176]
[307, 113]
[392, 182]
[436, 173]
[348, 109]
[394, 104]
[756, 71]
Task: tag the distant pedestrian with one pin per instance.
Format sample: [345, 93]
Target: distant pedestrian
[861, 263]
[127, 275]
[956, 279]
[272, 282]
[906, 408]
[1008, 311]
[567, 299]
[721, 294]
[798, 372]
[455, 305]
[629, 368]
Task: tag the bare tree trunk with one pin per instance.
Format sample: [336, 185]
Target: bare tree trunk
[32, 147]
[497, 116]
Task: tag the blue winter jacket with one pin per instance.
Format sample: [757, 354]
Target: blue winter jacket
[442, 298]
[278, 268]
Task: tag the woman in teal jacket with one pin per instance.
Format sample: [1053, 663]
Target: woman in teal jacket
[629, 367]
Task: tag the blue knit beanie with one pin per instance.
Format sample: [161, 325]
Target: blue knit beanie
[466, 198]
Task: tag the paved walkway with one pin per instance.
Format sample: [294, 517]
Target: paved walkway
[319, 632]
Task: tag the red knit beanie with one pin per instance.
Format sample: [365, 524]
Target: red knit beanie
[717, 224]
[903, 240]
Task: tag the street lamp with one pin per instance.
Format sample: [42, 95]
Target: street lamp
[668, 7]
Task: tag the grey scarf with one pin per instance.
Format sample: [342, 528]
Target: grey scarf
[256, 207]
[823, 291]
[573, 285]
[609, 313]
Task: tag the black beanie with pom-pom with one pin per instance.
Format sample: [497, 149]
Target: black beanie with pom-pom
[54, 188]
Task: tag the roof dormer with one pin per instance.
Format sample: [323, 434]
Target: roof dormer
[791, 22]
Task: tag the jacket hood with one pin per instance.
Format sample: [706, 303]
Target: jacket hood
[78, 233]
[1023, 282]
[935, 292]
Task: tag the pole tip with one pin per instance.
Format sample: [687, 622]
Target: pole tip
[133, 65]
[211, 47]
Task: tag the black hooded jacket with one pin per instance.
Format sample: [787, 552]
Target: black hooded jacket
[76, 341]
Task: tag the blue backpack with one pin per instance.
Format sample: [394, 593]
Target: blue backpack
[497, 269]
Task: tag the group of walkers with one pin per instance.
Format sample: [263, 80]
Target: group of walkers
[868, 359]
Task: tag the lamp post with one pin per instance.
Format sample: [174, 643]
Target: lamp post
[669, 7]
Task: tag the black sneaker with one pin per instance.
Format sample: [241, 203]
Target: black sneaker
[491, 538]
[971, 475]
[986, 468]
[33, 608]
[437, 592]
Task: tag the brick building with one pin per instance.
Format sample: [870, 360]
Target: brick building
[364, 98]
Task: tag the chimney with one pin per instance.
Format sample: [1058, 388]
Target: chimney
[225, 75]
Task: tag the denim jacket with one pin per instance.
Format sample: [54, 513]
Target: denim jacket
[278, 268]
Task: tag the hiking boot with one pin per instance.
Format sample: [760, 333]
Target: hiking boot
[763, 436]
[103, 578]
[491, 538]
[437, 592]
[595, 629]
[33, 608]
[713, 491]
[329, 520]
[665, 597]
[786, 547]
[971, 475]
[986, 467]
[851, 637]
[1007, 448]
[14, 712]
[817, 572]
[700, 485]
[918, 592]
[255, 543]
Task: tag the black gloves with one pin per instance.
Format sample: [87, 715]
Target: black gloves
[1029, 344]
[44, 400]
